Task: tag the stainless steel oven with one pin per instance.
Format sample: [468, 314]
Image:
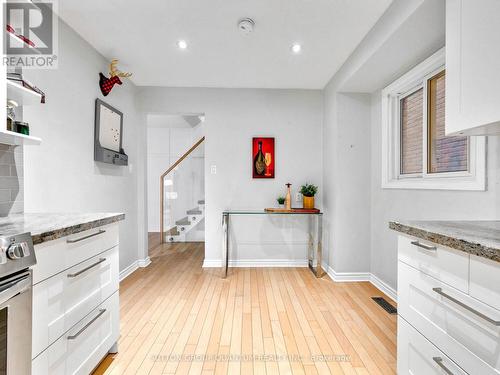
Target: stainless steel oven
[16, 256]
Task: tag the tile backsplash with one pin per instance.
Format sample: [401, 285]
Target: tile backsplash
[11, 180]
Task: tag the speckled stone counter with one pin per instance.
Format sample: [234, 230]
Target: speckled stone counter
[51, 226]
[481, 238]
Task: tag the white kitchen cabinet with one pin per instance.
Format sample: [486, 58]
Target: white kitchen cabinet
[81, 349]
[56, 256]
[61, 301]
[445, 264]
[75, 301]
[485, 280]
[450, 320]
[417, 355]
[472, 67]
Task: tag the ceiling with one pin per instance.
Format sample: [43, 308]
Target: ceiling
[143, 35]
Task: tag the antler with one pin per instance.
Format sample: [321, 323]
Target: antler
[113, 71]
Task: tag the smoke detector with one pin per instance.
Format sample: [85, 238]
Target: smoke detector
[246, 25]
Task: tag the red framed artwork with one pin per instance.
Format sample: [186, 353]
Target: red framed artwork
[263, 157]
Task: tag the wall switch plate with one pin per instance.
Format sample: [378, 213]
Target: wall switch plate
[298, 197]
[213, 169]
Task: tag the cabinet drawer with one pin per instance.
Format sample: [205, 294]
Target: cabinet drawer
[485, 280]
[64, 299]
[447, 265]
[81, 349]
[453, 321]
[417, 356]
[63, 253]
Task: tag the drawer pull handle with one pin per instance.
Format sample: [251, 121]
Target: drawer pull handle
[87, 268]
[72, 337]
[440, 363]
[423, 246]
[468, 308]
[101, 231]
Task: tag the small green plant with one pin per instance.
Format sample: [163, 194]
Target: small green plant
[281, 200]
[308, 190]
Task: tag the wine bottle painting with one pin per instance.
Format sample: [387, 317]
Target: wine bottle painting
[263, 157]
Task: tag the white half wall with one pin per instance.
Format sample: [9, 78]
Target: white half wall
[61, 174]
[232, 118]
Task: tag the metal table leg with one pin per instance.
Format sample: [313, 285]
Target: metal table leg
[225, 244]
[316, 252]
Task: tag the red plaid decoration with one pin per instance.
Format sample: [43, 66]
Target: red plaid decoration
[106, 84]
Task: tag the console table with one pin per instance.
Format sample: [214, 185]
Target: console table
[315, 250]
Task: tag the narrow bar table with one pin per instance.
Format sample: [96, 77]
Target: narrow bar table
[315, 248]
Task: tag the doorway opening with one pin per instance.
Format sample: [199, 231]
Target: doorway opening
[176, 179]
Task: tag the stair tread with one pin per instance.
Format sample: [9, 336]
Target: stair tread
[194, 211]
[201, 201]
[172, 232]
[183, 221]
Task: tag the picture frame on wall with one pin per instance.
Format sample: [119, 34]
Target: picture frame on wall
[263, 157]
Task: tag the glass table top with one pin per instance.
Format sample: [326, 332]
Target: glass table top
[263, 212]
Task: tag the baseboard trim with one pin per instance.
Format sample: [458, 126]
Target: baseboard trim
[346, 276]
[127, 271]
[213, 263]
[384, 287]
[343, 277]
[144, 262]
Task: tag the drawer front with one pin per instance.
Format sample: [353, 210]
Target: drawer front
[58, 255]
[447, 265]
[80, 349]
[485, 280]
[417, 356]
[446, 317]
[64, 299]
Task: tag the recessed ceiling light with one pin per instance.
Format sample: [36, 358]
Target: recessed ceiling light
[296, 48]
[182, 44]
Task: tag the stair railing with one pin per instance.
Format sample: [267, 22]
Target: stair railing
[162, 186]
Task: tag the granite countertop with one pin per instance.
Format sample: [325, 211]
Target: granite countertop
[481, 238]
[51, 226]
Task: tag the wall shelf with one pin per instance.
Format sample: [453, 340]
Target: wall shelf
[12, 138]
[21, 94]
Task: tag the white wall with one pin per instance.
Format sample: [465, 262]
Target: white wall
[232, 118]
[346, 147]
[60, 174]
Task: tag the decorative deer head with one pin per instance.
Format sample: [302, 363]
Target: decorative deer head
[113, 71]
[106, 84]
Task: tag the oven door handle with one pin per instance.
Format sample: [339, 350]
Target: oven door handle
[12, 287]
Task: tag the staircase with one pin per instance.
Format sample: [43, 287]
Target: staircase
[186, 224]
[171, 182]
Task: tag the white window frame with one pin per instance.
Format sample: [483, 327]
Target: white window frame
[392, 178]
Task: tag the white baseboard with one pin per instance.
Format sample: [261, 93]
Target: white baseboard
[361, 276]
[381, 285]
[346, 276]
[134, 266]
[212, 263]
[144, 262]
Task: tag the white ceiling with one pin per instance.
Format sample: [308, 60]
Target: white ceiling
[143, 35]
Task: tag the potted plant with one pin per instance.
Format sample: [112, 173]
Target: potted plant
[281, 201]
[308, 192]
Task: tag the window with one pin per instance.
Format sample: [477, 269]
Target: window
[417, 154]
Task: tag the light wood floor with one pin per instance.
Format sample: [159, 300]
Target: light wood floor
[179, 318]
